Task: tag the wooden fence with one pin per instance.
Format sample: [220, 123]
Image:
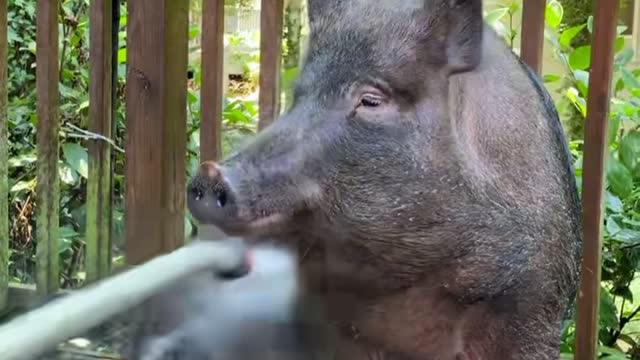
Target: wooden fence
[156, 131]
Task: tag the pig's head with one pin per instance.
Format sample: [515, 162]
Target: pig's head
[362, 145]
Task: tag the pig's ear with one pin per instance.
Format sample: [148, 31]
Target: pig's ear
[461, 23]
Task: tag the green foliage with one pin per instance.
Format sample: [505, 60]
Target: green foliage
[501, 18]
[240, 120]
[621, 250]
[242, 4]
[576, 12]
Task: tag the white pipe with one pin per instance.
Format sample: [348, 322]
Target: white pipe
[41, 330]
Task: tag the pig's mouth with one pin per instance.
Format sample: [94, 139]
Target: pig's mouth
[214, 205]
[246, 210]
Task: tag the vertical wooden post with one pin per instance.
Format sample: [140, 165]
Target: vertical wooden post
[271, 22]
[602, 55]
[212, 71]
[156, 127]
[48, 184]
[98, 260]
[4, 158]
[533, 33]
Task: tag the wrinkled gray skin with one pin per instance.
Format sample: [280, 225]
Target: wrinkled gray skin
[423, 175]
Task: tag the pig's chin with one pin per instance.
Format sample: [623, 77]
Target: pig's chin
[267, 225]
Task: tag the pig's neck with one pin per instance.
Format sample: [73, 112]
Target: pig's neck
[420, 323]
[370, 316]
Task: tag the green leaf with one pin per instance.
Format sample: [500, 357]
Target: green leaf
[611, 353]
[630, 152]
[619, 178]
[574, 96]
[22, 160]
[188, 227]
[620, 29]
[620, 42]
[515, 6]
[627, 236]
[569, 34]
[77, 158]
[83, 105]
[549, 78]
[613, 203]
[614, 126]
[608, 310]
[629, 79]
[67, 234]
[68, 175]
[289, 76]
[631, 222]
[612, 226]
[122, 56]
[580, 58]
[24, 185]
[13, 36]
[192, 97]
[625, 56]
[582, 78]
[194, 32]
[624, 292]
[590, 24]
[554, 13]
[494, 16]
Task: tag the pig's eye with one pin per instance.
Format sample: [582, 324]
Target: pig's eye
[371, 100]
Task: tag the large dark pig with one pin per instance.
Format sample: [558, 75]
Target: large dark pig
[423, 175]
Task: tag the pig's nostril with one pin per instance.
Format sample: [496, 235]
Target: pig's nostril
[210, 198]
[197, 193]
[222, 198]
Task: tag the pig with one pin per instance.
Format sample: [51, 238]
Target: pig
[423, 177]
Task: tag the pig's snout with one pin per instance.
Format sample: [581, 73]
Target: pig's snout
[250, 201]
[209, 197]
